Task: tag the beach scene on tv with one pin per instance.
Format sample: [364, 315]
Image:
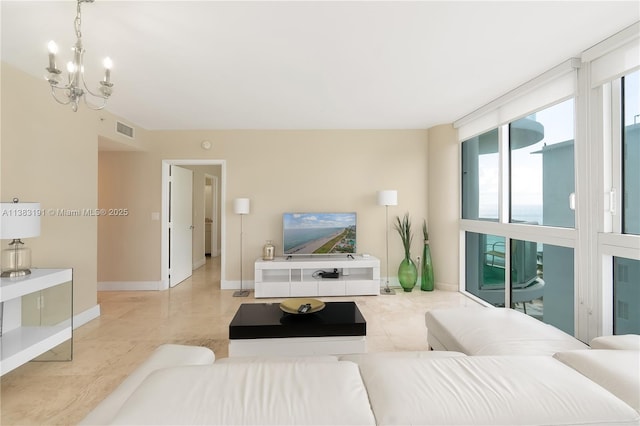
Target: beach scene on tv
[319, 233]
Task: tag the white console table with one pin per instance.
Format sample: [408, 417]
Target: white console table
[296, 276]
[37, 315]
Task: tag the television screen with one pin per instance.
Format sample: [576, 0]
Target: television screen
[318, 233]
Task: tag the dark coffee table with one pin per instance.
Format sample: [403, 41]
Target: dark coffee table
[264, 329]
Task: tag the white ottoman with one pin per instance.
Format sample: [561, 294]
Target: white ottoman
[495, 331]
[621, 341]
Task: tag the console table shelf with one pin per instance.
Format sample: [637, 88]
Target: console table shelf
[36, 317]
[296, 276]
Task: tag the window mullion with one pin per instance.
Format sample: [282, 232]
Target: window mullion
[615, 208]
[504, 174]
[504, 203]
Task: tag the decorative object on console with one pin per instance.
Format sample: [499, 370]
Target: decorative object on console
[426, 275]
[76, 87]
[387, 198]
[407, 271]
[268, 251]
[18, 220]
[241, 206]
[293, 306]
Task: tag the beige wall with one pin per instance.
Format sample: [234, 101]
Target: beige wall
[313, 170]
[128, 245]
[49, 155]
[444, 181]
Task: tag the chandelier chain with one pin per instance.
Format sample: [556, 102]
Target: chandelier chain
[78, 21]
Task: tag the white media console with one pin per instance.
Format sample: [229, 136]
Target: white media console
[297, 276]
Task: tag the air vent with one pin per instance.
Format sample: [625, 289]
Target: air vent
[125, 130]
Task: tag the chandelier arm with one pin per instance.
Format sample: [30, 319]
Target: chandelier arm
[53, 93]
[95, 108]
[97, 95]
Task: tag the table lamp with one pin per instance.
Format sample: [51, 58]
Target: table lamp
[18, 220]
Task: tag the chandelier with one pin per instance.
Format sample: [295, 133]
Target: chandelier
[75, 87]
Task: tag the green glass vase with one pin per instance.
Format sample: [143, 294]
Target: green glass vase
[407, 274]
[426, 275]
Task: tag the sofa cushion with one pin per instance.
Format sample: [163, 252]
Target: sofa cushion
[534, 390]
[495, 331]
[398, 356]
[276, 358]
[250, 393]
[618, 371]
[164, 356]
[621, 341]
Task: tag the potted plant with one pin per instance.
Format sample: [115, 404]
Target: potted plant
[407, 271]
[426, 275]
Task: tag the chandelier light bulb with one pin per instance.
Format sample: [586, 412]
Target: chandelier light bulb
[71, 67]
[53, 47]
[108, 63]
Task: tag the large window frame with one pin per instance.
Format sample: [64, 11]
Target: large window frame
[607, 152]
[597, 237]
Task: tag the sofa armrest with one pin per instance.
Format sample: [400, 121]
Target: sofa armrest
[164, 356]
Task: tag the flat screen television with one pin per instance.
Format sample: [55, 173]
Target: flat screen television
[318, 233]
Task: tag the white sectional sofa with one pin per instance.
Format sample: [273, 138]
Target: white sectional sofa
[400, 388]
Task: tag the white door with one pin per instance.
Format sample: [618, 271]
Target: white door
[180, 225]
[215, 250]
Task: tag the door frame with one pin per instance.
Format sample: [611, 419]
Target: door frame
[215, 189]
[164, 217]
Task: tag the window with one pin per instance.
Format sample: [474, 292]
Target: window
[480, 177]
[626, 296]
[541, 179]
[542, 282]
[485, 267]
[541, 148]
[541, 276]
[551, 175]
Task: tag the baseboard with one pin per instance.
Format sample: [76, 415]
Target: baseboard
[130, 286]
[447, 287]
[84, 317]
[199, 263]
[235, 285]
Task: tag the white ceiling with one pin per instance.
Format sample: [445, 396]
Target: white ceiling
[309, 65]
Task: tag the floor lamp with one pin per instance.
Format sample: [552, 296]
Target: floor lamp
[241, 207]
[387, 198]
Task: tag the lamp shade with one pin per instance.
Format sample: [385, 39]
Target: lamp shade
[388, 197]
[241, 205]
[19, 220]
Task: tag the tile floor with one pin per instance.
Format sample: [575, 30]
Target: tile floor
[196, 312]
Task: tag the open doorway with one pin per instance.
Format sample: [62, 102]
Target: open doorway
[201, 168]
[211, 215]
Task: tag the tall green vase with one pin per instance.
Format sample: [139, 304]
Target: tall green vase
[407, 274]
[426, 276]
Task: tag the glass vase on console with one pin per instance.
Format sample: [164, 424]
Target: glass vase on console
[268, 251]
